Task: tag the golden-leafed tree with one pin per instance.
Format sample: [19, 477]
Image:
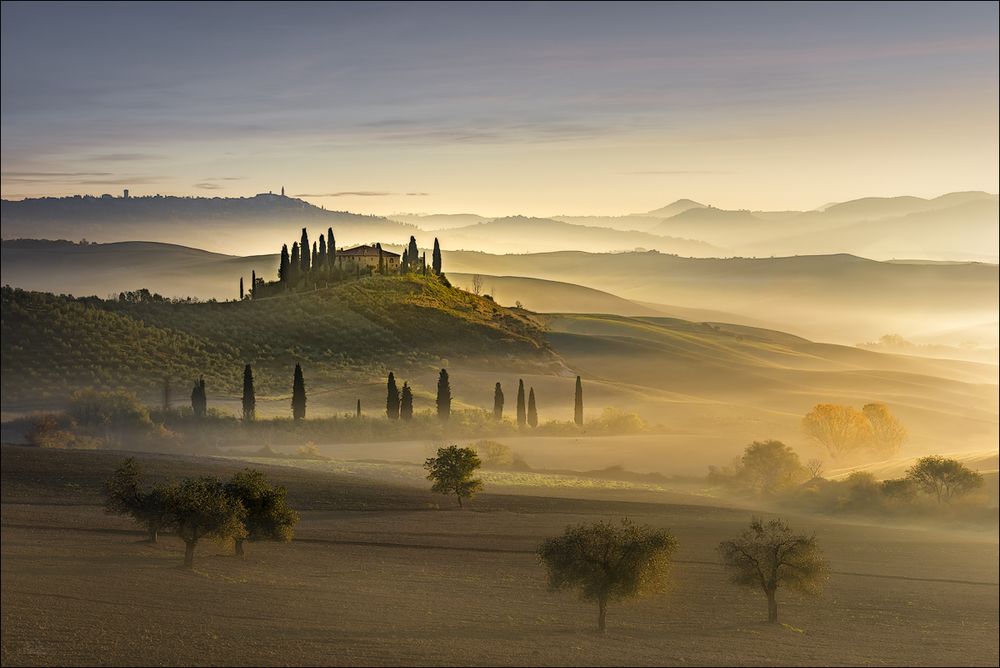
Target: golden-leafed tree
[887, 432]
[839, 429]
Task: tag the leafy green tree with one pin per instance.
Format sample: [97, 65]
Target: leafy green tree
[944, 479]
[392, 398]
[268, 516]
[436, 257]
[304, 253]
[124, 495]
[451, 472]
[608, 561]
[767, 466]
[768, 556]
[199, 400]
[406, 403]
[443, 396]
[532, 411]
[578, 403]
[249, 396]
[298, 394]
[201, 507]
[283, 275]
[522, 419]
[498, 403]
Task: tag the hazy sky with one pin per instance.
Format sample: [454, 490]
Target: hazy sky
[502, 108]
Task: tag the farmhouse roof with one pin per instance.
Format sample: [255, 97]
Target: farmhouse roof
[365, 251]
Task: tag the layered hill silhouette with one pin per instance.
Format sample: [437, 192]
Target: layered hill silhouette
[839, 298]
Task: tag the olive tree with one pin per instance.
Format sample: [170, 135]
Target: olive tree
[268, 516]
[608, 561]
[201, 507]
[124, 495]
[768, 556]
[943, 478]
[451, 471]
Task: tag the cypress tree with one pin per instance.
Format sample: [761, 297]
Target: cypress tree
[406, 403]
[423, 263]
[521, 419]
[304, 249]
[295, 265]
[249, 397]
[404, 262]
[283, 265]
[532, 412]
[498, 403]
[331, 249]
[437, 257]
[199, 400]
[392, 399]
[298, 394]
[253, 281]
[321, 258]
[413, 252]
[315, 256]
[444, 396]
[381, 258]
[241, 288]
[578, 404]
[358, 411]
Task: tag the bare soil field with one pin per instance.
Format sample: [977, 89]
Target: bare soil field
[377, 575]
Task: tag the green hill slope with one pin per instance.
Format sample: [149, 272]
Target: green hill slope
[356, 330]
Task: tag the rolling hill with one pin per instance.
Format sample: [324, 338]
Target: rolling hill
[520, 234]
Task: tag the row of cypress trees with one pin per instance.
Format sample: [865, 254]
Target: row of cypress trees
[399, 405]
[398, 402]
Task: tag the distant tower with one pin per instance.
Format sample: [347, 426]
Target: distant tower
[125, 196]
[282, 191]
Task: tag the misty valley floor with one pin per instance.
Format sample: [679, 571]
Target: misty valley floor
[463, 587]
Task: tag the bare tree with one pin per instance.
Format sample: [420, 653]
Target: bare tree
[477, 284]
[768, 556]
[815, 468]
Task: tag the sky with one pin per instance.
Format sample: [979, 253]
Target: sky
[528, 108]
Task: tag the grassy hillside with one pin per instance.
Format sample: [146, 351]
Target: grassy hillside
[355, 330]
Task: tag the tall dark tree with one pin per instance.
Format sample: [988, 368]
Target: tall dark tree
[331, 249]
[295, 264]
[413, 252]
[521, 414]
[404, 262]
[406, 403]
[532, 411]
[298, 394]
[321, 256]
[283, 265]
[241, 288]
[253, 281]
[304, 250]
[436, 258]
[381, 258]
[199, 400]
[357, 412]
[444, 396]
[497, 403]
[392, 398]
[315, 256]
[578, 403]
[249, 397]
[423, 264]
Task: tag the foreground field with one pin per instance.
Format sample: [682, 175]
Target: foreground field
[374, 577]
